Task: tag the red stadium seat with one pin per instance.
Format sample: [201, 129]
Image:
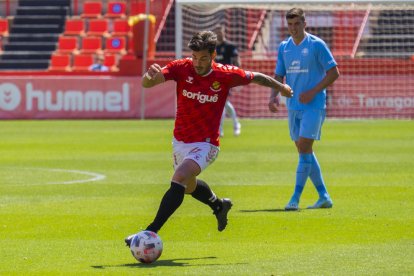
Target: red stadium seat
[82, 62]
[98, 27]
[4, 27]
[91, 45]
[111, 60]
[116, 45]
[116, 9]
[68, 44]
[120, 27]
[137, 7]
[75, 26]
[92, 9]
[60, 62]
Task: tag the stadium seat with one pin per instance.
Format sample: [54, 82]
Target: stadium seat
[111, 60]
[137, 7]
[4, 27]
[91, 44]
[60, 62]
[75, 26]
[98, 27]
[116, 45]
[68, 44]
[116, 9]
[92, 9]
[120, 27]
[82, 62]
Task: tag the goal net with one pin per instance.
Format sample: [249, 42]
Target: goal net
[372, 41]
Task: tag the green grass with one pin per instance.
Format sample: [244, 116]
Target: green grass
[51, 228]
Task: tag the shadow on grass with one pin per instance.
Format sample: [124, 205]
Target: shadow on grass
[268, 210]
[171, 262]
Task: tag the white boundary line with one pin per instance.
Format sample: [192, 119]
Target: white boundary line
[94, 176]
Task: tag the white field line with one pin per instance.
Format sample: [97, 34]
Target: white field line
[92, 175]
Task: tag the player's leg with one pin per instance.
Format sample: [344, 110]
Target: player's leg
[204, 154]
[182, 180]
[223, 116]
[294, 119]
[231, 111]
[304, 145]
[185, 172]
[315, 175]
[219, 206]
[324, 200]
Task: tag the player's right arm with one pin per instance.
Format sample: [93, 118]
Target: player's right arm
[274, 96]
[153, 76]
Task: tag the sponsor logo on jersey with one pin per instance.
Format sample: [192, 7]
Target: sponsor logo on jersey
[305, 52]
[202, 98]
[215, 86]
[295, 68]
[189, 79]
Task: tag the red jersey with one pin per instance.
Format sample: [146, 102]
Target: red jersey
[201, 99]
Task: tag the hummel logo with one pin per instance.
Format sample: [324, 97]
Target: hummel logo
[190, 79]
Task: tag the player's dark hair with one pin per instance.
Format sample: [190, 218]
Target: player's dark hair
[205, 40]
[295, 12]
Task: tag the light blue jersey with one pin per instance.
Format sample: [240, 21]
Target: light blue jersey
[304, 66]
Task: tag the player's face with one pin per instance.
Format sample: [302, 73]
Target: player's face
[202, 61]
[296, 28]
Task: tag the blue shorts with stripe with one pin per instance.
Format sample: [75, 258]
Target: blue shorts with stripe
[306, 123]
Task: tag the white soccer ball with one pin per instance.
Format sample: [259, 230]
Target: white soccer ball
[146, 247]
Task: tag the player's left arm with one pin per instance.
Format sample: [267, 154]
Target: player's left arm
[331, 75]
[265, 80]
[153, 76]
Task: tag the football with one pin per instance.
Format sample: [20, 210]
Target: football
[146, 247]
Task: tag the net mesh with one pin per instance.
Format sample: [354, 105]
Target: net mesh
[372, 43]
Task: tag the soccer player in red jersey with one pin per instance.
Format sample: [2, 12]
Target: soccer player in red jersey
[202, 90]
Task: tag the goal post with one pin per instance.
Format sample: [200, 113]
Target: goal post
[372, 41]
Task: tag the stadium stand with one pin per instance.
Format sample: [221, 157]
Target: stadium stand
[68, 44]
[91, 45]
[120, 27]
[116, 10]
[82, 62]
[4, 27]
[92, 9]
[75, 26]
[116, 45]
[60, 62]
[390, 35]
[33, 34]
[98, 27]
[110, 60]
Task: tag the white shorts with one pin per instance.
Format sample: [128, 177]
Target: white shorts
[202, 153]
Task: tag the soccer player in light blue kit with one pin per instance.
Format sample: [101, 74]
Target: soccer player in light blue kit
[309, 67]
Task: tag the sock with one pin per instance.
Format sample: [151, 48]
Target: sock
[302, 173]
[317, 179]
[232, 112]
[170, 202]
[204, 194]
[223, 116]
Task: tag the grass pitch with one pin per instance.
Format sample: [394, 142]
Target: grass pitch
[70, 191]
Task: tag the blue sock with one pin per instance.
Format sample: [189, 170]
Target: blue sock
[302, 173]
[317, 179]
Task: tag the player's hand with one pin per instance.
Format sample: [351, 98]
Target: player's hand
[286, 91]
[153, 70]
[274, 104]
[306, 97]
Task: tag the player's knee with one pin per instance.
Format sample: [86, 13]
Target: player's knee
[304, 146]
